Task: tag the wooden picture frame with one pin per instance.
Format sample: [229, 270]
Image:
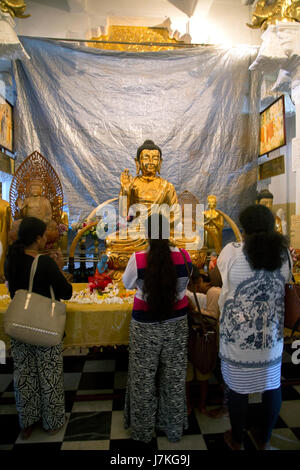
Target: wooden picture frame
[272, 127]
[271, 168]
[6, 125]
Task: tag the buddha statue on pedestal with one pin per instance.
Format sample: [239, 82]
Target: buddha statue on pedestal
[151, 191]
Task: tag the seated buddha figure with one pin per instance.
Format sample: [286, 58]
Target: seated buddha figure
[265, 197]
[148, 189]
[213, 225]
[34, 204]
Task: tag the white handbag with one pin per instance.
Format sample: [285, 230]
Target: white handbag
[33, 318]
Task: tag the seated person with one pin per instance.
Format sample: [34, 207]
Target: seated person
[207, 294]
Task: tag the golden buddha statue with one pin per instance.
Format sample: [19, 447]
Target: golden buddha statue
[152, 193]
[36, 205]
[213, 226]
[5, 225]
[265, 197]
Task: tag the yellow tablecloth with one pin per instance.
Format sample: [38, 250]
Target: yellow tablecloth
[90, 325]
[87, 325]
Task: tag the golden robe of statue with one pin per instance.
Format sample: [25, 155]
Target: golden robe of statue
[5, 225]
[213, 226]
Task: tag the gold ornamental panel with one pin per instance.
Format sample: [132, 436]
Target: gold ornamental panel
[133, 35]
[268, 12]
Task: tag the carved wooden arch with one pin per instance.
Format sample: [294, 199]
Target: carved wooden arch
[186, 197]
[35, 166]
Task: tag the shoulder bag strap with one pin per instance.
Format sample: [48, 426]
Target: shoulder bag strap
[195, 296]
[32, 274]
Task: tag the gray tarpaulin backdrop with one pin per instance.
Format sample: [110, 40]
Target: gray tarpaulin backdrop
[88, 110]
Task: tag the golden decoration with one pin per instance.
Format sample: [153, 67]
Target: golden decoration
[266, 14]
[133, 35]
[35, 166]
[213, 225]
[15, 8]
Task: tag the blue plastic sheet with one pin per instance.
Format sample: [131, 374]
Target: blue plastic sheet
[87, 110]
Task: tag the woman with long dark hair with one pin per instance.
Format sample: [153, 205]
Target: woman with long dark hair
[38, 371]
[254, 274]
[155, 395]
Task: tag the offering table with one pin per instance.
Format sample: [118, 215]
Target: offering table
[87, 324]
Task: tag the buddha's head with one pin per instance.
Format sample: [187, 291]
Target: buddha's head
[212, 201]
[148, 159]
[35, 188]
[265, 198]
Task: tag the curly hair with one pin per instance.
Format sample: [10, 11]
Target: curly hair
[264, 247]
[160, 281]
[30, 228]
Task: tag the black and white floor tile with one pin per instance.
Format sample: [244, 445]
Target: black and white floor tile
[95, 390]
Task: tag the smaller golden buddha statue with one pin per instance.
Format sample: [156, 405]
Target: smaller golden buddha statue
[268, 12]
[35, 204]
[265, 197]
[213, 226]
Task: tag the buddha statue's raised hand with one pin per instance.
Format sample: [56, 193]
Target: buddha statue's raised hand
[126, 181]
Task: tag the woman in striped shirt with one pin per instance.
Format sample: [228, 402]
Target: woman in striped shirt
[155, 395]
[251, 302]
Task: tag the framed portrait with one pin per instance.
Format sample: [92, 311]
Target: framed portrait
[6, 125]
[272, 127]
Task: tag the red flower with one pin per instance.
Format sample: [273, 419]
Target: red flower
[99, 281]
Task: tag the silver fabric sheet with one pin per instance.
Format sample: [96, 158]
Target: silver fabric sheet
[87, 110]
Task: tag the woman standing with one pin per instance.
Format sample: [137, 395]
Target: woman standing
[254, 274]
[155, 394]
[38, 371]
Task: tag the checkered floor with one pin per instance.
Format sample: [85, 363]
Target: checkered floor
[94, 424]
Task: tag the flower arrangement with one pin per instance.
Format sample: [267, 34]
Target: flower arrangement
[213, 262]
[76, 226]
[111, 294]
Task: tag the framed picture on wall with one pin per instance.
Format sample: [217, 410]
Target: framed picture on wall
[6, 125]
[272, 127]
